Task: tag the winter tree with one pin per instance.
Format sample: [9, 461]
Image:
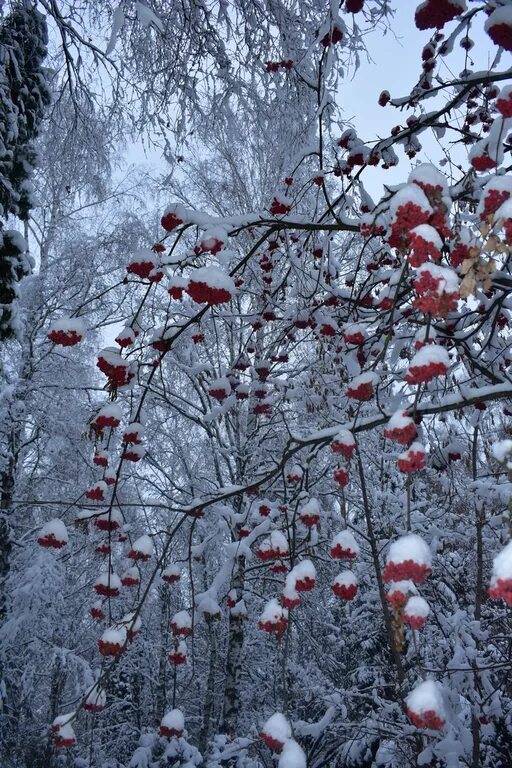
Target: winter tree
[259, 502]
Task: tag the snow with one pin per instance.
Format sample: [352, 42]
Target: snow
[114, 636]
[502, 452]
[365, 378]
[404, 586]
[144, 545]
[174, 720]
[130, 622]
[409, 193]
[346, 579]
[417, 606]
[425, 697]
[69, 324]
[214, 278]
[410, 547]
[292, 756]
[182, 620]
[345, 436]
[278, 728]
[172, 570]
[109, 580]
[240, 609]
[505, 210]
[501, 15]
[502, 563]
[278, 542]
[429, 175]
[399, 420]
[96, 698]
[303, 570]
[143, 256]
[112, 410]
[147, 17]
[449, 280]
[212, 236]
[312, 507]
[345, 539]
[430, 353]
[273, 612]
[207, 605]
[429, 234]
[55, 528]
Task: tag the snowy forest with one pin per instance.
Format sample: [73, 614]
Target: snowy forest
[255, 383]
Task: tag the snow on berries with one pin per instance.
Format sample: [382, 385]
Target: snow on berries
[399, 591]
[363, 387]
[401, 428]
[108, 584]
[173, 217]
[309, 513]
[100, 458]
[504, 103]
[289, 597]
[274, 618]
[429, 362]
[295, 474]
[181, 624]
[499, 27]
[131, 577]
[113, 641]
[408, 558]
[97, 491]
[434, 14]
[96, 700]
[210, 285]
[220, 389]
[344, 585]
[354, 333]
[108, 416]
[279, 206]
[108, 521]
[142, 548]
[134, 453]
[425, 706]
[344, 443]
[133, 433]
[171, 574]
[341, 477]
[53, 535]
[142, 263]
[344, 546]
[126, 337]
[414, 459]
[496, 192]
[63, 732]
[118, 371]
[416, 612]
[276, 732]
[173, 724]
[501, 578]
[178, 655]
[274, 547]
[424, 243]
[213, 240]
[96, 611]
[480, 158]
[408, 209]
[67, 331]
[303, 576]
[437, 288]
